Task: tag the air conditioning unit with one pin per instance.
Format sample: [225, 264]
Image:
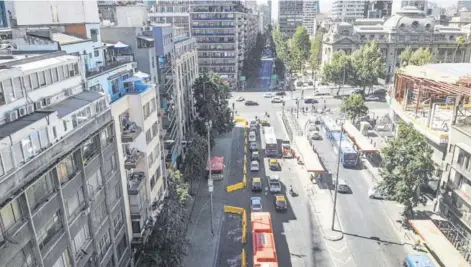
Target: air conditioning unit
[22, 111]
[38, 105]
[46, 101]
[68, 92]
[12, 116]
[30, 108]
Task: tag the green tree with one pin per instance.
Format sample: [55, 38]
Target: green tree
[194, 167]
[299, 49]
[167, 243]
[211, 103]
[281, 46]
[355, 108]
[253, 61]
[421, 57]
[338, 69]
[407, 165]
[460, 41]
[369, 65]
[315, 52]
[405, 56]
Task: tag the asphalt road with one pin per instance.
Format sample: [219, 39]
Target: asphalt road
[261, 81]
[369, 233]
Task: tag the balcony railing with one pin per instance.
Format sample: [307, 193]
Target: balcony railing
[134, 182]
[212, 26]
[462, 213]
[130, 132]
[465, 196]
[214, 34]
[116, 62]
[133, 158]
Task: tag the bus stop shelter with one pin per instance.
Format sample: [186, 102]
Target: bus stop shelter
[310, 158]
[362, 143]
[438, 244]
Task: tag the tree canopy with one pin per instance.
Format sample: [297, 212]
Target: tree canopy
[407, 164]
[460, 41]
[167, 243]
[315, 51]
[405, 56]
[281, 52]
[355, 108]
[369, 65]
[253, 61]
[211, 103]
[299, 48]
[194, 166]
[338, 69]
[418, 57]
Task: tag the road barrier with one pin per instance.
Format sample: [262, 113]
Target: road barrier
[234, 187]
[233, 209]
[244, 170]
[244, 180]
[240, 120]
[243, 258]
[245, 149]
[244, 228]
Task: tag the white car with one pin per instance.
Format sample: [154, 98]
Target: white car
[254, 166]
[252, 136]
[372, 98]
[277, 100]
[240, 99]
[268, 95]
[256, 204]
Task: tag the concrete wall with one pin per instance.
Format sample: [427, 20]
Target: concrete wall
[131, 16]
[54, 12]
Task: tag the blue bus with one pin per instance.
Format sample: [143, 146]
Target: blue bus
[330, 127]
[348, 155]
[418, 260]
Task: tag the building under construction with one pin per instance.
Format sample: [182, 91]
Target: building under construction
[435, 99]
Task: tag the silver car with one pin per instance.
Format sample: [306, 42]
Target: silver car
[256, 204]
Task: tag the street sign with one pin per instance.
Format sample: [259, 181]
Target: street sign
[274, 76]
[242, 78]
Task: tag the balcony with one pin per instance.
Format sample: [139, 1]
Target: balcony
[115, 62]
[134, 182]
[130, 132]
[461, 212]
[136, 85]
[132, 158]
[215, 49]
[464, 195]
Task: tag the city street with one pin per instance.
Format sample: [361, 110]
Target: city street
[371, 238]
[261, 81]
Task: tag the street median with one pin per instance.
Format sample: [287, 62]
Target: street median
[234, 187]
[243, 258]
[242, 212]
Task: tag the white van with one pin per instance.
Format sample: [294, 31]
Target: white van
[252, 136]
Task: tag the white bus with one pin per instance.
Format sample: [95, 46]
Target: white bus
[271, 149]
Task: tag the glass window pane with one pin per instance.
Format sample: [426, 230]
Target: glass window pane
[27, 82]
[18, 153]
[27, 148]
[8, 90]
[54, 74]
[7, 159]
[34, 80]
[47, 74]
[35, 143]
[17, 86]
[60, 72]
[42, 78]
[44, 138]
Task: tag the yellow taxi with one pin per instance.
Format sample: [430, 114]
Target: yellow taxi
[256, 184]
[274, 165]
[280, 203]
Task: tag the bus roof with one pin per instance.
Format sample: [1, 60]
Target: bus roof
[261, 222]
[331, 124]
[264, 247]
[348, 149]
[268, 130]
[419, 260]
[337, 136]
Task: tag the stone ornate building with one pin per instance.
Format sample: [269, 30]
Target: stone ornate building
[409, 27]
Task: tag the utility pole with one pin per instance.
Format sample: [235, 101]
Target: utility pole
[298, 105]
[337, 178]
[210, 179]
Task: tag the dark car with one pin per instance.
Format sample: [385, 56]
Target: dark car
[256, 184]
[251, 103]
[280, 93]
[311, 101]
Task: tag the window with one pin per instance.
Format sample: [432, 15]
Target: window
[136, 227]
[60, 73]
[76, 69]
[80, 240]
[148, 136]
[17, 86]
[153, 182]
[146, 110]
[100, 212]
[110, 164]
[118, 222]
[54, 75]
[90, 149]
[96, 53]
[6, 157]
[8, 90]
[27, 83]
[106, 136]
[115, 86]
[104, 244]
[24, 258]
[66, 71]
[10, 214]
[44, 138]
[94, 35]
[64, 122]
[35, 143]
[121, 247]
[113, 162]
[27, 147]
[54, 132]
[73, 204]
[63, 261]
[41, 190]
[67, 167]
[17, 151]
[49, 230]
[42, 78]
[47, 74]
[95, 182]
[154, 129]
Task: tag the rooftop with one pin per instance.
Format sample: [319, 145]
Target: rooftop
[74, 103]
[65, 39]
[21, 123]
[25, 62]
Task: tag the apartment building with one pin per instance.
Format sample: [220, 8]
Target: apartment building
[61, 198]
[220, 28]
[290, 17]
[310, 9]
[376, 9]
[348, 10]
[176, 13]
[266, 13]
[461, 4]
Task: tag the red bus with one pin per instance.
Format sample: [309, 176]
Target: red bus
[217, 167]
[263, 241]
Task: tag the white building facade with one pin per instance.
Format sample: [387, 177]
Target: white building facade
[348, 10]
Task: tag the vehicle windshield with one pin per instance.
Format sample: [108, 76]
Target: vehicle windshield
[350, 156]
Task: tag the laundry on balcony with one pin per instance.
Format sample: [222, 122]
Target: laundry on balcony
[132, 158]
[128, 126]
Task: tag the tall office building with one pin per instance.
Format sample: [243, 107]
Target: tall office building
[397, 6]
[348, 10]
[290, 16]
[176, 13]
[224, 36]
[310, 9]
[376, 9]
[461, 4]
[264, 9]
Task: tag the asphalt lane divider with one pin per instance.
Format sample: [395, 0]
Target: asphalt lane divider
[243, 258]
[234, 187]
[242, 212]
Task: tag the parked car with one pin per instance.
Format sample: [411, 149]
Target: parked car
[255, 155]
[256, 184]
[274, 165]
[240, 99]
[311, 101]
[256, 204]
[282, 93]
[253, 146]
[268, 95]
[378, 193]
[252, 136]
[251, 103]
[277, 100]
[274, 184]
[280, 203]
[254, 166]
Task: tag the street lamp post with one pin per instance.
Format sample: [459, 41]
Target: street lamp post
[210, 180]
[298, 106]
[337, 176]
